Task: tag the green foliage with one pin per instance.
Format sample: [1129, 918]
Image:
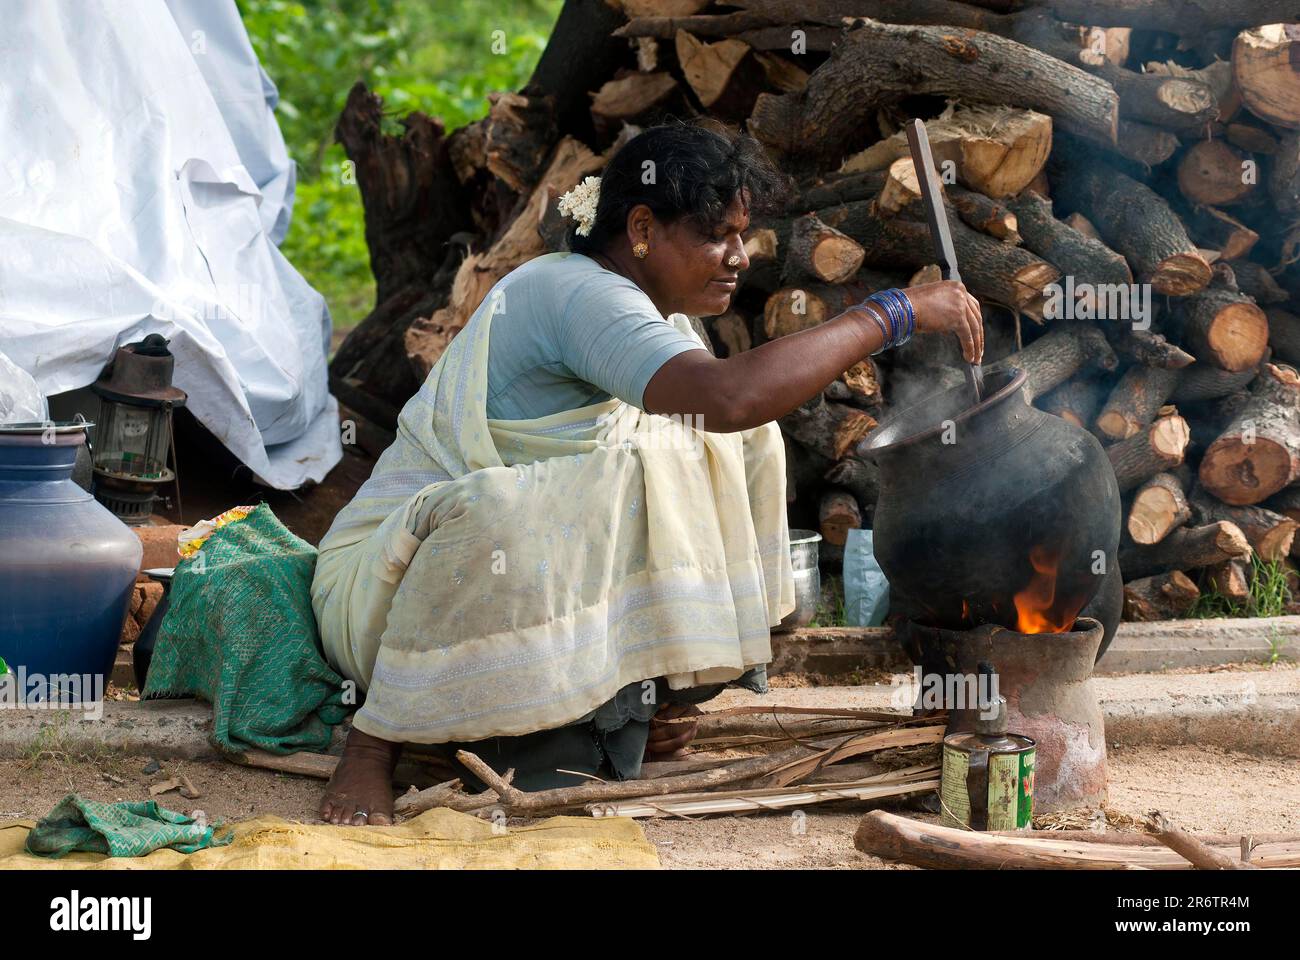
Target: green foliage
[441, 58]
[830, 605]
[1268, 596]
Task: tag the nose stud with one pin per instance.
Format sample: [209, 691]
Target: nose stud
[733, 261]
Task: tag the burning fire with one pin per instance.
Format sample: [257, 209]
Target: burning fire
[1035, 611]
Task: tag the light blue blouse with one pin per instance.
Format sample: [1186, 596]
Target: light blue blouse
[567, 333]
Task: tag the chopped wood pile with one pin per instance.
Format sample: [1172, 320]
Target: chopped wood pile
[746, 759]
[1123, 179]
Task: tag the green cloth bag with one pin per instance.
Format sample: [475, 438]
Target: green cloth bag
[240, 633]
[129, 829]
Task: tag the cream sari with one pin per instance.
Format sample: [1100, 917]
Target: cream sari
[499, 577]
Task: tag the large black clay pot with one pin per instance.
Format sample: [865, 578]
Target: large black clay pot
[995, 512]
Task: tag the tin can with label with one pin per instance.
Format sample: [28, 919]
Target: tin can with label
[988, 777]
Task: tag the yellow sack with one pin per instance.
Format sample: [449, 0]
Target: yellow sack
[438, 839]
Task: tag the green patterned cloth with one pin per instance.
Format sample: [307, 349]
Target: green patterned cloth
[240, 633]
[130, 829]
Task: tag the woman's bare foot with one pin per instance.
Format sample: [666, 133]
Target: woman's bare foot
[362, 782]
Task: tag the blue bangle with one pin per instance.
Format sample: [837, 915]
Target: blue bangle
[905, 305]
[880, 322]
[896, 307]
[887, 324]
[906, 316]
[884, 319]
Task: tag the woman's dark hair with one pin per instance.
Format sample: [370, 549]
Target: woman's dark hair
[693, 173]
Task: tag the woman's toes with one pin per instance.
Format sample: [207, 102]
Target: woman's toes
[381, 820]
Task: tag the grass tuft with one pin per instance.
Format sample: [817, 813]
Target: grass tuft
[1268, 595]
[830, 606]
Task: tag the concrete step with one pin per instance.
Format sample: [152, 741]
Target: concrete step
[1137, 647]
[1243, 710]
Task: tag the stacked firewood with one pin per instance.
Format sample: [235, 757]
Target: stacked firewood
[1123, 183]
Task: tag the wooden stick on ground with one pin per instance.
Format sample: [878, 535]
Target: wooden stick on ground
[446, 794]
[790, 764]
[525, 803]
[1191, 849]
[893, 837]
[744, 802]
[304, 763]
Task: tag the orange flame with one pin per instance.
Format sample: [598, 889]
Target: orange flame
[1034, 604]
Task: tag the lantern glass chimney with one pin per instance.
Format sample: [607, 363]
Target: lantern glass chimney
[134, 437]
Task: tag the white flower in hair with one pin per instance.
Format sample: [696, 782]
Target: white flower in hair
[580, 204]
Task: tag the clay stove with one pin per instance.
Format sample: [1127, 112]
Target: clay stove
[1046, 679]
[997, 526]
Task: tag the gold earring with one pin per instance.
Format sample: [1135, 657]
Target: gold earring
[640, 250]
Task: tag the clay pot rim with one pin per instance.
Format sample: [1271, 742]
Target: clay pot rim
[872, 445]
[1082, 626]
[65, 434]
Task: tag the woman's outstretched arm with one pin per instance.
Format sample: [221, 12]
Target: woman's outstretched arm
[760, 385]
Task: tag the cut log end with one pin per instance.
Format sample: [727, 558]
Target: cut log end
[1259, 453]
[1169, 437]
[1162, 597]
[1157, 449]
[1181, 274]
[838, 513]
[1272, 545]
[1242, 473]
[1118, 425]
[1238, 336]
[1228, 579]
[790, 310]
[1265, 71]
[1158, 508]
[1212, 172]
[852, 429]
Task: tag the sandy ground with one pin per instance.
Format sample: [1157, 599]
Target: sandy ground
[1201, 788]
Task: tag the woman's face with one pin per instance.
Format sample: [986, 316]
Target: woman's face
[689, 272]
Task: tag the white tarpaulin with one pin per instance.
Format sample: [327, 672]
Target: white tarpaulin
[143, 186]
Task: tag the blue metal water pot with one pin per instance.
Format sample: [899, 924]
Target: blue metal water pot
[67, 565]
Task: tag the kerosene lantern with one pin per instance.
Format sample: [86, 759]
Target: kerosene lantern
[134, 435]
